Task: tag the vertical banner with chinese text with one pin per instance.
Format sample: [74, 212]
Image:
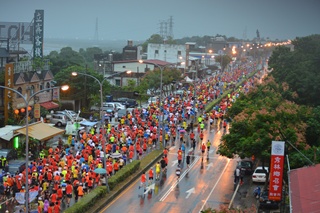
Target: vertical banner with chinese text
[8, 94]
[36, 111]
[276, 170]
[38, 34]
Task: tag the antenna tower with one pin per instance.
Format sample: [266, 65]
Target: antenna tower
[170, 27]
[96, 33]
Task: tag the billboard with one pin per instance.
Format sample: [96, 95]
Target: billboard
[276, 170]
[17, 31]
[38, 34]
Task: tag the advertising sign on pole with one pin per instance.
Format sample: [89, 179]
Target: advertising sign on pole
[276, 170]
[36, 111]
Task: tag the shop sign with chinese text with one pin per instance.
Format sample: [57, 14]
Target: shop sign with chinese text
[276, 170]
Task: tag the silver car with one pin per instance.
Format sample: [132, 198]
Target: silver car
[58, 119]
[112, 106]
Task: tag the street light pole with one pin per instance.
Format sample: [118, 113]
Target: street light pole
[26, 101]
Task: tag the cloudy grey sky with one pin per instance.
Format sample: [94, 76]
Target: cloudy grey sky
[138, 19]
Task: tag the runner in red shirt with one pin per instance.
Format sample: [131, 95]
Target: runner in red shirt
[143, 181]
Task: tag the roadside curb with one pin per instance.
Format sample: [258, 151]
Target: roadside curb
[122, 188]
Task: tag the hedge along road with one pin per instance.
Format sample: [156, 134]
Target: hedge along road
[193, 191]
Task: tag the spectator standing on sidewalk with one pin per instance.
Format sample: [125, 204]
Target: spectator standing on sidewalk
[236, 175]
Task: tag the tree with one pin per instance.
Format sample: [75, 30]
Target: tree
[154, 39]
[299, 68]
[67, 57]
[81, 87]
[151, 80]
[260, 117]
[89, 53]
[224, 59]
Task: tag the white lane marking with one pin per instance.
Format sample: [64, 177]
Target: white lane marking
[174, 163]
[181, 177]
[151, 187]
[215, 185]
[190, 191]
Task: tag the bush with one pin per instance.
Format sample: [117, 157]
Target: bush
[88, 200]
[123, 173]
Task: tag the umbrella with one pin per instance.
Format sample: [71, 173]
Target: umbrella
[100, 171]
[116, 155]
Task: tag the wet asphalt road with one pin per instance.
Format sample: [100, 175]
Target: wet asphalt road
[207, 183]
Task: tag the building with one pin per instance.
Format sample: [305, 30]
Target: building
[172, 53]
[304, 189]
[131, 52]
[28, 80]
[137, 67]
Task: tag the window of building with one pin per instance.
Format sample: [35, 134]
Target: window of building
[48, 86]
[179, 52]
[156, 51]
[41, 87]
[19, 90]
[118, 82]
[31, 90]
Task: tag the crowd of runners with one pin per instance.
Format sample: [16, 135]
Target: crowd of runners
[68, 170]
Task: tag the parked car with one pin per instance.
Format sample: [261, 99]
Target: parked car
[112, 106]
[7, 153]
[153, 99]
[259, 175]
[128, 102]
[265, 203]
[246, 166]
[58, 119]
[122, 112]
[70, 112]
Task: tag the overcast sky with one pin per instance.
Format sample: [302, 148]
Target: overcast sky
[139, 19]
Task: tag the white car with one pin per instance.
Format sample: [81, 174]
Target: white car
[259, 175]
[153, 99]
[112, 106]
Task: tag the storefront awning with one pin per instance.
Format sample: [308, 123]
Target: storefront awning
[49, 105]
[40, 131]
[6, 133]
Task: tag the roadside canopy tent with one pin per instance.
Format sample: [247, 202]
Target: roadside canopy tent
[188, 80]
[40, 131]
[6, 133]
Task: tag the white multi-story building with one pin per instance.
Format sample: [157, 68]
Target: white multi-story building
[173, 53]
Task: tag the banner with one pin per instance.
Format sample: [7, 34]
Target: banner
[36, 111]
[276, 170]
[38, 33]
[20, 196]
[8, 94]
